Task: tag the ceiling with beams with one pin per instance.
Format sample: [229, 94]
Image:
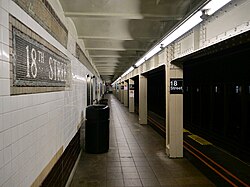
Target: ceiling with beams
[116, 33]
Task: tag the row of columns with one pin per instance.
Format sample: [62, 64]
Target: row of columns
[125, 92]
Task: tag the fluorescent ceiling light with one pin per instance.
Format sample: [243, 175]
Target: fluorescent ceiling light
[128, 71]
[139, 62]
[186, 26]
[194, 20]
[183, 28]
[214, 5]
[116, 81]
[211, 7]
[152, 52]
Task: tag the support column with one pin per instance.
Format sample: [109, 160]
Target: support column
[131, 93]
[174, 112]
[125, 93]
[143, 108]
[114, 89]
[119, 91]
[122, 92]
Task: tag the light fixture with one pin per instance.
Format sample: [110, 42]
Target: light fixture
[194, 20]
[152, 52]
[204, 14]
[128, 71]
[139, 62]
[191, 21]
[183, 28]
[119, 78]
[215, 5]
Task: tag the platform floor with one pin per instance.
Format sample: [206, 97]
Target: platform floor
[136, 157]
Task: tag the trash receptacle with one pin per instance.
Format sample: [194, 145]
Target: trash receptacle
[103, 101]
[97, 129]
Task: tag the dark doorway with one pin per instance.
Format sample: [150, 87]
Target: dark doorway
[216, 98]
[156, 99]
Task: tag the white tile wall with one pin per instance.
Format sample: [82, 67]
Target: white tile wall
[1, 56]
[8, 183]
[4, 54]
[1, 158]
[4, 4]
[1, 174]
[4, 87]
[16, 178]
[4, 70]
[7, 138]
[4, 35]
[34, 126]
[7, 155]
[7, 172]
[1, 106]
[4, 17]
[1, 128]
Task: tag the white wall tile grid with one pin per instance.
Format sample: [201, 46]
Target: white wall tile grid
[34, 127]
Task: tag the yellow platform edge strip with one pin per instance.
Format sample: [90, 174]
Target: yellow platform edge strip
[184, 130]
[199, 140]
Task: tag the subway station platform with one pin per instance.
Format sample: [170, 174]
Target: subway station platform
[136, 157]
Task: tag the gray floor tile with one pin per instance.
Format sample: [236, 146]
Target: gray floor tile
[150, 182]
[129, 169]
[128, 163]
[136, 157]
[132, 182]
[115, 183]
[146, 174]
[141, 163]
[114, 175]
[134, 175]
[114, 169]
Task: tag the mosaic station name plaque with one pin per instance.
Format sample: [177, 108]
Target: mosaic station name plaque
[35, 64]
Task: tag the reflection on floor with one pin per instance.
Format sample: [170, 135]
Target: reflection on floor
[136, 157]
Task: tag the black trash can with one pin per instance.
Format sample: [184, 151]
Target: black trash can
[103, 101]
[97, 129]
